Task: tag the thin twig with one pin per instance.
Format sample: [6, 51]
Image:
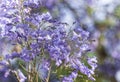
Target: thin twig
[48, 77]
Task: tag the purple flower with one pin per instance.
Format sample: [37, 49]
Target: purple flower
[43, 68]
[7, 73]
[44, 40]
[26, 55]
[71, 77]
[21, 76]
[92, 62]
[3, 65]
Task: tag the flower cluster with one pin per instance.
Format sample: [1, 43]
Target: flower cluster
[40, 41]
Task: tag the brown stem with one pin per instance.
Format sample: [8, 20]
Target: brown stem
[48, 77]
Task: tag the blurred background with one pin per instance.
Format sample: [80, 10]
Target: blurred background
[102, 19]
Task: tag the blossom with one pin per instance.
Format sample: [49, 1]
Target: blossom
[71, 77]
[39, 39]
[22, 78]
